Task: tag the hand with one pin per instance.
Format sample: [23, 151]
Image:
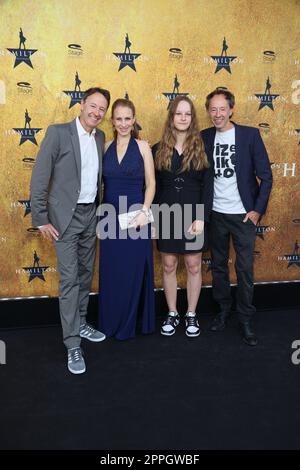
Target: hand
[49, 232]
[139, 220]
[253, 216]
[196, 228]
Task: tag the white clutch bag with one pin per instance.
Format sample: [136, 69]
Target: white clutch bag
[126, 218]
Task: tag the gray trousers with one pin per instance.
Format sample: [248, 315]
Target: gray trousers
[75, 260]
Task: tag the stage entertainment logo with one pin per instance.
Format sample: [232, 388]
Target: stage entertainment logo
[27, 132]
[266, 98]
[175, 53]
[171, 95]
[76, 94]
[24, 88]
[223, 61]
[269, 57]
[75, 50]
[264, 127]
[127, 57]
[22, 54]
[36, 271]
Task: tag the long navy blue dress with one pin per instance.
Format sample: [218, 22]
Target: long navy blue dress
[126, 265]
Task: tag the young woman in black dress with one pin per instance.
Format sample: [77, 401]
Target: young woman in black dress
[183, 176]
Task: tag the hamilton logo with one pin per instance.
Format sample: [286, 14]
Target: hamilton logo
[292, 258]
[27, 132]
[76, 95]
[26, 204]
[127, 57]
[171, 95]
[207, 263]
[22, 54]
[36, 270]
[261, 230]
[223, 61]
[266, 98]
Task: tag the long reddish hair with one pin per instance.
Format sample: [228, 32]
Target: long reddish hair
[194, 155]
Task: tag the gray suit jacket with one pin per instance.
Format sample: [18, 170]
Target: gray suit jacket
[56, 176]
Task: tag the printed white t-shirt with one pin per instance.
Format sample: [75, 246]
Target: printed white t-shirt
[226, 194]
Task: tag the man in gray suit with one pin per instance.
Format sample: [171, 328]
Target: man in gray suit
[64, 186]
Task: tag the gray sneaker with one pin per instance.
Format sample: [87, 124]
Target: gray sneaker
[88, 332]
[76, 363]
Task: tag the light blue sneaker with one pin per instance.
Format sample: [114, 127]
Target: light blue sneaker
[76, 363]
[88, 332]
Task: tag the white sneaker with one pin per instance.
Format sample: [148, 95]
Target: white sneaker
[192, 324]
[169, 325]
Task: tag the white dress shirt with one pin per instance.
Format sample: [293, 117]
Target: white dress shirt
[89, 164]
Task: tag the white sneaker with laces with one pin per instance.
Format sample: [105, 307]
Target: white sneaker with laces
[192, 325]
[169, 325]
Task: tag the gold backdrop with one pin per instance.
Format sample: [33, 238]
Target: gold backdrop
[173, 37]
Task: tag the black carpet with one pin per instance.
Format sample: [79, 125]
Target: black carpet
[153, 392]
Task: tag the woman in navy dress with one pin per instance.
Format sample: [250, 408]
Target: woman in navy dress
[183, 177]
[126, 261]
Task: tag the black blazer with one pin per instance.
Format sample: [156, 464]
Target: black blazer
[252, 162]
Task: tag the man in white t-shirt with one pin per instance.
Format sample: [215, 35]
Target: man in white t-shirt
[242, 185]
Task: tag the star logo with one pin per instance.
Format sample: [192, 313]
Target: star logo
[223, 61]
[27, 132]
[127, 57]
[207, 262]
[171, 95]
[76, 95]
[22, 54]
[260, 231]
[266, 98]
[294, 258]
[36, 270]
[26, 204]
